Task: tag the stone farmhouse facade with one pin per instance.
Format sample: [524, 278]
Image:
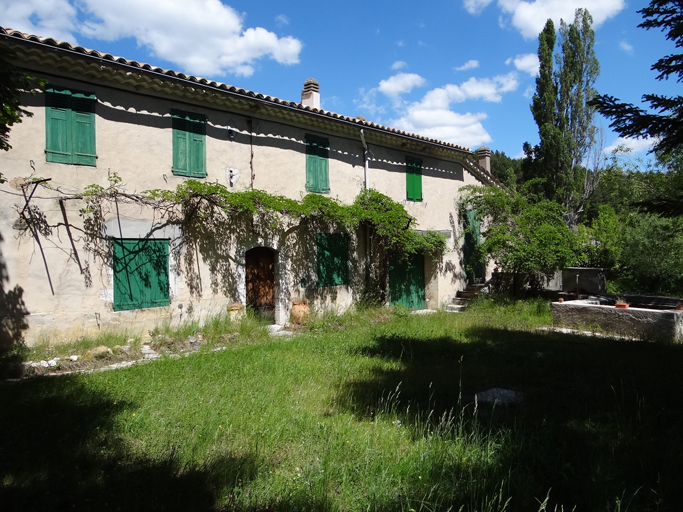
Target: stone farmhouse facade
[155, 129]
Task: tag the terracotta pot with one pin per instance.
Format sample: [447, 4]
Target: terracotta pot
[560, 299]
[300, 310]
[236, 310]
[621, 306]
[679, 307]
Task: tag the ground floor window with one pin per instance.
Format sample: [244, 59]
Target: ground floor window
[140, 273]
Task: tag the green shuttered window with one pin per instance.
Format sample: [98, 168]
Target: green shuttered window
[317, 157]
[333, 259]
[140, 274]
[189, 144]
[413, 179]
[69, 127]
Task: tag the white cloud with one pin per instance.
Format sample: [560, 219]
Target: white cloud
[635, 145]
[400, 84]
[368, 102]
[443, 124]
[470, 64]
[432, 115]
[526, 63]
[475, 6]
[203, 37]
[399, 43]
[49, 18]
[529, 17]
[625, 46]
[281, 20]
[529, 91]
[399, 64]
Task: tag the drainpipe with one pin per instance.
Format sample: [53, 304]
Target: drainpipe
[366, 158]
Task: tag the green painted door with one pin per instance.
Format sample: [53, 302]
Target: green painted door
[473, 267]
[407, 282]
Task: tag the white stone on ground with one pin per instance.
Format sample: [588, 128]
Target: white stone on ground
[282, 333]
[499, 396]
[148, 353]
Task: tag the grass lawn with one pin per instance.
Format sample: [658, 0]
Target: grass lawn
[370, 411]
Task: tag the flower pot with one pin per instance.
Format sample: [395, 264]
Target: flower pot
[300, 310]
[560, 299]
[621, 306]
[679, 307]
[236, 310]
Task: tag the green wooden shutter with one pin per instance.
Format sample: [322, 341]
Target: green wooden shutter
[311, 171]
[323, 165]
[58, 137]
[181, 137]
[198, 149]
[70, 127]
[140, 274]
[333, 259]
[317, 166]
[83, 131]
[413, 179]
[189, 145]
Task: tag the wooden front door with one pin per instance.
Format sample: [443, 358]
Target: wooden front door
[260, 276]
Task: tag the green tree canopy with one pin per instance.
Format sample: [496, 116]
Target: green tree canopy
[665, 124]
[523, 233]
[565, 121]
[12, 83]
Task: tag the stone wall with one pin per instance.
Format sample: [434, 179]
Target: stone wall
[640, 323]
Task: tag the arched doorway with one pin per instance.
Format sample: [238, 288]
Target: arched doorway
[260, 280]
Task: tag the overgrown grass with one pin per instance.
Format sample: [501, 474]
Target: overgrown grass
[45, 349]
[372, 410]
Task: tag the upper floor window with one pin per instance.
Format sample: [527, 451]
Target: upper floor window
[69, 127]
[413, 179]
[189, 144]
[317, 156]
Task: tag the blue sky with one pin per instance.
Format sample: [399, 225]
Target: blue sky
[461, 70]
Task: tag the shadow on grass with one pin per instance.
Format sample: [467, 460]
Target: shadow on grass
[601, 419]
[57, 452]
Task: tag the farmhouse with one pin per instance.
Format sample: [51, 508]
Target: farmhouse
[72, 263]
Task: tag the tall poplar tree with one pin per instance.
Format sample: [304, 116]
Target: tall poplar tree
[566, 126]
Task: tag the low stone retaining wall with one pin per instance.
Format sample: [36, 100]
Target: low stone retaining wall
[633, 322]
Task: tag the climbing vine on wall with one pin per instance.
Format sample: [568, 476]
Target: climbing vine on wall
[210, 210]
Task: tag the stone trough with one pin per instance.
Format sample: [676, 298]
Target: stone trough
[644, 323]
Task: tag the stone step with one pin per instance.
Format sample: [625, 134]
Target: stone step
[460, 301]
[465, 294]
[455, 308]
[475, 287]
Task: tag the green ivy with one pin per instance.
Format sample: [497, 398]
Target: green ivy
[386, 217]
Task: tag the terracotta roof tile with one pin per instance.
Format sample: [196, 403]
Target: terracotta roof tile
[219, 85]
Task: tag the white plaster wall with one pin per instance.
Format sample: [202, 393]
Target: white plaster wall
[134, 139]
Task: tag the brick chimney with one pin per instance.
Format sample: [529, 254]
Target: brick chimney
[484, 157]
[310, 96]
